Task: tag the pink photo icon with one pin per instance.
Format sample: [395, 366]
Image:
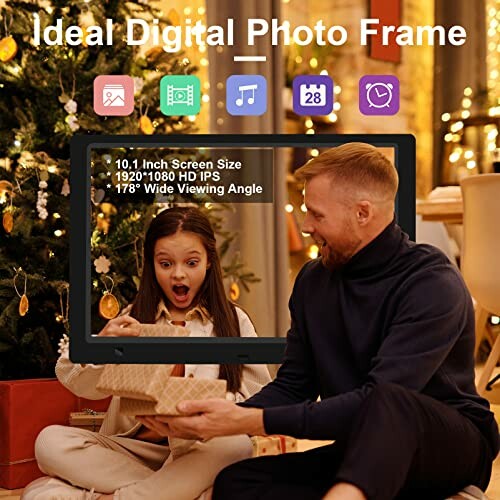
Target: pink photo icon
[113, 95]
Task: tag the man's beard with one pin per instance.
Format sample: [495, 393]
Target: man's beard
[334, 259]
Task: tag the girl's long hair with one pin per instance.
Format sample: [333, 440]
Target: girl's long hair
[211, 295]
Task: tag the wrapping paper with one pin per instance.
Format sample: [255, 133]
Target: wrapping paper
[176, 389]
[273, 445]
[90, 420]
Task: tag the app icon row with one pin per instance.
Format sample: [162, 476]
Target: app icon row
[245, 95]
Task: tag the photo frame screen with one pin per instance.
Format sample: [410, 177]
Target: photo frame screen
[136, 177]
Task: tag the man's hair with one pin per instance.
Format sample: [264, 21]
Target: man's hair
[356, 165]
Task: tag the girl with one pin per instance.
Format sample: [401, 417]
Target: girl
[181, 284]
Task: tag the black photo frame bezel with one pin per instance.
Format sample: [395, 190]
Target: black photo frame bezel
[85, 349]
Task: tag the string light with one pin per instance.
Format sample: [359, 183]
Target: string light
[303, 208]
[289, 208]
[495, 320]
[492, 57]
[445, 117]
[313, 251]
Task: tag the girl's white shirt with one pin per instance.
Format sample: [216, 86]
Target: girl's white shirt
[82, 380]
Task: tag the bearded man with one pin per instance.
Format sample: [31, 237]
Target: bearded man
[382, 332]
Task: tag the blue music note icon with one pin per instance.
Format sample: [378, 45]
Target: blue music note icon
[246, 95]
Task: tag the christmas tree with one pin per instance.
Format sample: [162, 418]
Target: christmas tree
[46, 97]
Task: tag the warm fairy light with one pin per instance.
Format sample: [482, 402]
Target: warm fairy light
[58, 233]
[337, 89]
[187, 11]
[310, 131]
[469, 154]
[336, 106]
[467, 91]
[445, 117]
[208, 206]
[495, 320]
[191, 118]
[465, 114]
[454, 157]
[332, 117]
[303, 207]
[314, 152]
[492, 44]
[289, 208]
[298, 59]
[323, 72]
[205, 98]
[201, 10]
[313, 62]
[313, 251]
[448, 137]
[308, 123]
[471, 164]
[204, 61]
[56, 215]
[206, 85]
[17, 143]
[466, 102]
[457, 126]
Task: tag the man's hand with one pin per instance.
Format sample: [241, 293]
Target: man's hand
[207, 419]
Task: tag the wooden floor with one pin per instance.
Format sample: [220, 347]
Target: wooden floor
[493, 491]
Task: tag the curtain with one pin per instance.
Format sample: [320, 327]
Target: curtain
[262, 227]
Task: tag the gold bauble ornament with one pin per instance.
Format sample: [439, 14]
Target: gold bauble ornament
[109, 306]
[234, 292]
[8, 222]
[8, 49]
[23, 305]
[146, 125]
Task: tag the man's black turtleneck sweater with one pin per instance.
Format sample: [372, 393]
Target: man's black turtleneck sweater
[396, 312]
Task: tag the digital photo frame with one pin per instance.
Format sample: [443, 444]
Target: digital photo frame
[195, 169]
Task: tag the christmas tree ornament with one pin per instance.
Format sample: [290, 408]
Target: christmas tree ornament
[8, 220]
[109, 307]
[234, 292]
[8, 49]
[102, 264]
[23, 303]
[41, 202]
[63, 316]
[65, 188]
[145, 125]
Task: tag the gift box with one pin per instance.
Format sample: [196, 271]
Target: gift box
[175, 390]
[273, 445]
[150, 390]
[87, 419]
[26, 407]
